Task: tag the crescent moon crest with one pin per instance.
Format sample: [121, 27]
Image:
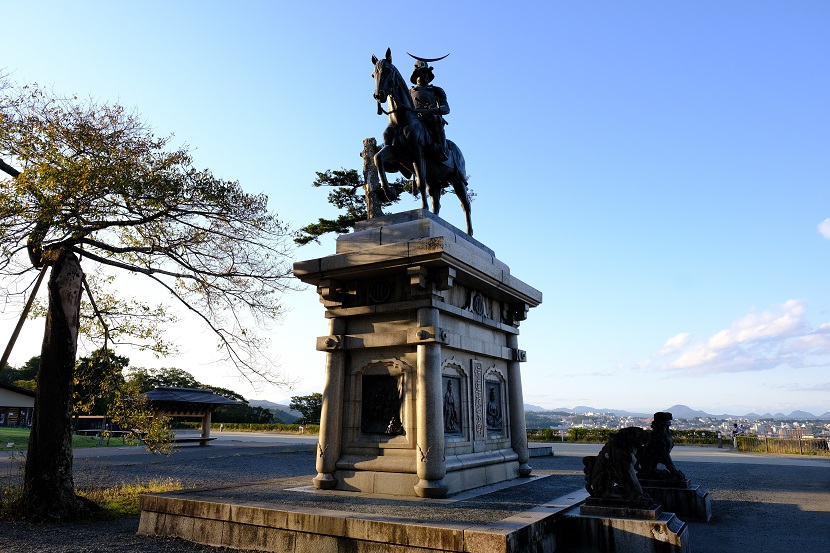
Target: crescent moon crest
[428, 60]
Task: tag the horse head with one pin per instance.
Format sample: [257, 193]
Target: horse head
[386, 77]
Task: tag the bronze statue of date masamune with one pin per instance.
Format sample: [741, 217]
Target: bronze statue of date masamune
[414, 142]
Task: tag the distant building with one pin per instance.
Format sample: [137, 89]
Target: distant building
[16, 406]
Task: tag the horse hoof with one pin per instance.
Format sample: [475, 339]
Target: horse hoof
[390, 194]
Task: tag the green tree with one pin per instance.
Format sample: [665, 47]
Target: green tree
[224, 392]
[26, 376]
[130, 410]
[28, 372]
[100, 388]
[30, 385]
[310, 406]
[242, 413]
[96, 378]
[149, 379]
[348, 195]
[89, 184]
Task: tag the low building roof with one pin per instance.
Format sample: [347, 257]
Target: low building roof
[186, 401]
[188, 395]
[17, 389]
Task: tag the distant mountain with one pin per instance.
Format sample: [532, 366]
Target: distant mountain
[795, 415]
[582, 409]
[802, 415]
[282, 413]
[265, 404]
[685, 412]
[681, 412]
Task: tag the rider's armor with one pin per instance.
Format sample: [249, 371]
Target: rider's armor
[434, 99]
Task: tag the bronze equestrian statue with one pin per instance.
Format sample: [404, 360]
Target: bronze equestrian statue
[414, 142]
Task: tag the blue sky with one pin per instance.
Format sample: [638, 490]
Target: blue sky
[659, 170]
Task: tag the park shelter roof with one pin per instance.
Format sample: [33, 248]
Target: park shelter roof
[185, 401]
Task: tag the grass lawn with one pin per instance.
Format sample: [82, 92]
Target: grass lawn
[19, 437]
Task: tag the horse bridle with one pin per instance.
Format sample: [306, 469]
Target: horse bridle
[398, 107]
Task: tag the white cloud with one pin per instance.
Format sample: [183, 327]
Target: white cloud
[757, 326]
[675, 343]
[758, 341]
[824, 228]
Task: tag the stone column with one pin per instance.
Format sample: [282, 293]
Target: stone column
[431, 465]
[518, 427]
[329, 444]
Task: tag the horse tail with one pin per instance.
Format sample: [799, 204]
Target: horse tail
[458, 163]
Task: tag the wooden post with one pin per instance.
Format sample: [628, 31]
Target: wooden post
[23, 315]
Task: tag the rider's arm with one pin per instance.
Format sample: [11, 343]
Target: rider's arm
[441, 97]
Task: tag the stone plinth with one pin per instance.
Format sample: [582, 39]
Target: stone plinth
[681, 497]
[596, 533]
[423, 390]
[212, 518]
[645, 510]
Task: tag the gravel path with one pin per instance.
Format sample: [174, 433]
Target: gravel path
[757, 507]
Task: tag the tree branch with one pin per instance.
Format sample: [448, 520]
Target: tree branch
[6, 168]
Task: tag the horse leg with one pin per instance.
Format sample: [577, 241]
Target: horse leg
[460, 189]
[380, 159]
[436, 199]
[420, 168]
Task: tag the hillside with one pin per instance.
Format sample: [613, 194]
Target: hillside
[282, 413]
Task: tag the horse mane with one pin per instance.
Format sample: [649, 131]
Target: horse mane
[400, 83]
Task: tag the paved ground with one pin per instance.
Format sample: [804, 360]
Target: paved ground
[760, 503]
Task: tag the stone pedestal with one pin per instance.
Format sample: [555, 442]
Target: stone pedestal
[618, 508]
[423, 393]
[681, 497]
[605, 532]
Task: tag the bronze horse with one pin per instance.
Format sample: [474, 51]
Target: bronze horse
[405, 144]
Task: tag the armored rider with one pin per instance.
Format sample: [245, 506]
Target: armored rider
[431, 105]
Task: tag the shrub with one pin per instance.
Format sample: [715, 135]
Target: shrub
[267, 427]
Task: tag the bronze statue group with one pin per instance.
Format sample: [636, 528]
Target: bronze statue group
[632, 454]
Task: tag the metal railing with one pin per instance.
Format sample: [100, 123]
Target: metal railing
[789, 446]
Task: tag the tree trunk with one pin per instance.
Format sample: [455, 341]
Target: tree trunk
[48, 488]
[371, 179]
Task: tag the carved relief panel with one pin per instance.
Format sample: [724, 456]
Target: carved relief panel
[495, 403]
[455, 400]
[452, 404]
[381, 412]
